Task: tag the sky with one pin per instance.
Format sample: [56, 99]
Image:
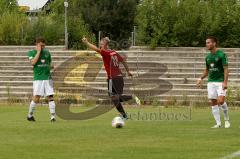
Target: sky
[33, 4]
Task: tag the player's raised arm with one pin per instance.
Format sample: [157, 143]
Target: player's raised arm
[35, 59]
[91, 46]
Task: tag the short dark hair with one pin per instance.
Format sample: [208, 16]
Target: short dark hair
[213, 38]
[40, 40]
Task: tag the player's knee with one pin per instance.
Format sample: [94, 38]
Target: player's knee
[213, 102]
[50, 98]
[116, 103]
[115, 97]
[221, 102]
[36, 99]
[115, 100]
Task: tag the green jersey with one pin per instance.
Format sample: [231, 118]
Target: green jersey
[215, 63]
[42, 68]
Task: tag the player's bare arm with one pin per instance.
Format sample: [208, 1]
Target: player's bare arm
[200, 80]
[126, 68]
[226, 74]
[91, 46]
[35, 59]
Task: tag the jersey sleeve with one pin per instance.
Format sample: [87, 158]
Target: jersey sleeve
[224, 60]
[30, 55]
[120, 59]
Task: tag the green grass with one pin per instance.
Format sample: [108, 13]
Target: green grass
[96, 139]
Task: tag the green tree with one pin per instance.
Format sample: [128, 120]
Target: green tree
[114, 18]
[76, 25]
[155, 20]
[169, 23]
[11, 28]
[8, 5]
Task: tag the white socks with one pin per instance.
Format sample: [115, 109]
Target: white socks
[216, 114]
[31, 109]
[225, 111]
[52, 108]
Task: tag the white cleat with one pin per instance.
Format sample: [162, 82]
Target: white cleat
[216, 126]
[53, 119]
[138, 101]
[227, 124]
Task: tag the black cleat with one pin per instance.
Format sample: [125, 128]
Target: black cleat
[31, 119]
[125, 116]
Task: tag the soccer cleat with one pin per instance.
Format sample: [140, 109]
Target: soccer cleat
[216, 126]
[124, 116]
[138, 101]
[31, 118]
[53, 119]
[227, 124]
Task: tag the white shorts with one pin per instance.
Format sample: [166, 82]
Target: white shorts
[215, 90]
[43, 88]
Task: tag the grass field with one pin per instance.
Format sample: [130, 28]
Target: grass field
[96, 139]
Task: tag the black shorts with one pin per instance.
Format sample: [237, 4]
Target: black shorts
[115, 86]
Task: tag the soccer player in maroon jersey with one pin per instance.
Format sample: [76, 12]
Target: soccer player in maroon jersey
[111, 60]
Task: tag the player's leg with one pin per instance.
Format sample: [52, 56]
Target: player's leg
[118, 105]
[118, 86]
[216, 113]
[49, 93]
[115, 93]
[212, 96]
[222, 103]
[32, 108]
[52, 107]
[123, 98]
[38, 91]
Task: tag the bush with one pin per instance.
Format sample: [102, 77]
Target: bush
[11, 25]
[169, 23]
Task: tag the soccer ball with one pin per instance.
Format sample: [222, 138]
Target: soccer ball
[118, 122]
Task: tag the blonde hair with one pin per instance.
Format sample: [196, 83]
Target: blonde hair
[106, 39]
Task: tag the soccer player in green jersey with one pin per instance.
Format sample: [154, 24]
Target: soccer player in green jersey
[217, 72]
[40, 59]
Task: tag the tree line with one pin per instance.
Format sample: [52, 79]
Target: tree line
[159, 22]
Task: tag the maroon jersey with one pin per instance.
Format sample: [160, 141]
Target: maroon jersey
[111, 61]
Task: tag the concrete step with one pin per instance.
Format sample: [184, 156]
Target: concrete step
[146, 48]
[27, 80]
[137, 54]
[103, 85]
[130, 58]
[18, 48]
[133, 69]
[130, 63]
[161, 59]
[101, 93]
[91, 68]
[80, 74]
[86, 87]
[53, 53]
